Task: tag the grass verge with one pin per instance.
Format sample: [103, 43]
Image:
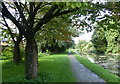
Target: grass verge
[52, 68]
[103, 73]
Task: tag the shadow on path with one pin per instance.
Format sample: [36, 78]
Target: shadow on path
[82, 73]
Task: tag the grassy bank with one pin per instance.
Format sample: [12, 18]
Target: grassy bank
[103, 73]
[52, 68]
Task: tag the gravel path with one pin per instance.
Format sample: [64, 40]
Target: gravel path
[82, 73]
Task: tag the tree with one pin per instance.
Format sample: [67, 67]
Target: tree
[15, 37]
[28, 25]
[112, 37]
[56, 35]
[99, 41]
[111, 25]
[81, 44]
[16, 40]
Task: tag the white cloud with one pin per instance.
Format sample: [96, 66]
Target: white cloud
[86, 36]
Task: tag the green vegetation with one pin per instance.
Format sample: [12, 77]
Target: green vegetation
[56, 38]
[52, 68]
[103, 73]
[112, 37]
[31, 27]
[7, 53]
[84, 46]
[106, 40]
[99, 41]
[33, 17]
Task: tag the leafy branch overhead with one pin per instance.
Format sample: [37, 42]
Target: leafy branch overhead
[28, 13]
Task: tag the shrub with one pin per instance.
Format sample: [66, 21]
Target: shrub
[7, 53]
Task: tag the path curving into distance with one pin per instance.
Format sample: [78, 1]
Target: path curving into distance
[82, 73]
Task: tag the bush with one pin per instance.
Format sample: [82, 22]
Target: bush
[115, 50]
[42, 54]
[7, 53]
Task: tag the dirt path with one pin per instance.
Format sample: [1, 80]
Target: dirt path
[82, 73]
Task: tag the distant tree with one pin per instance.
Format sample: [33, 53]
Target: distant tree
[81, 44]
[99, 41]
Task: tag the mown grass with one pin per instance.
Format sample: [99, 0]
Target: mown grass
[103, 73]
[57, 67]
[52, 68]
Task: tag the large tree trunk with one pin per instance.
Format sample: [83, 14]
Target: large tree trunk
[16, 57]
[31, 59]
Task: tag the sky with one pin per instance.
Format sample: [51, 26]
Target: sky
[86, 36]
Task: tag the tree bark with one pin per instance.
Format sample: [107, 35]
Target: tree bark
[31, 59]
[17, 57]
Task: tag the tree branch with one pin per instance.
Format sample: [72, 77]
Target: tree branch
[47, 17]
[9, 30]
[65, 12]
[44, 5]
[25, 6]
[2, 23]
[7, 14]
[32, 15]
[20, 37]
[37, 7]
[21, 13]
